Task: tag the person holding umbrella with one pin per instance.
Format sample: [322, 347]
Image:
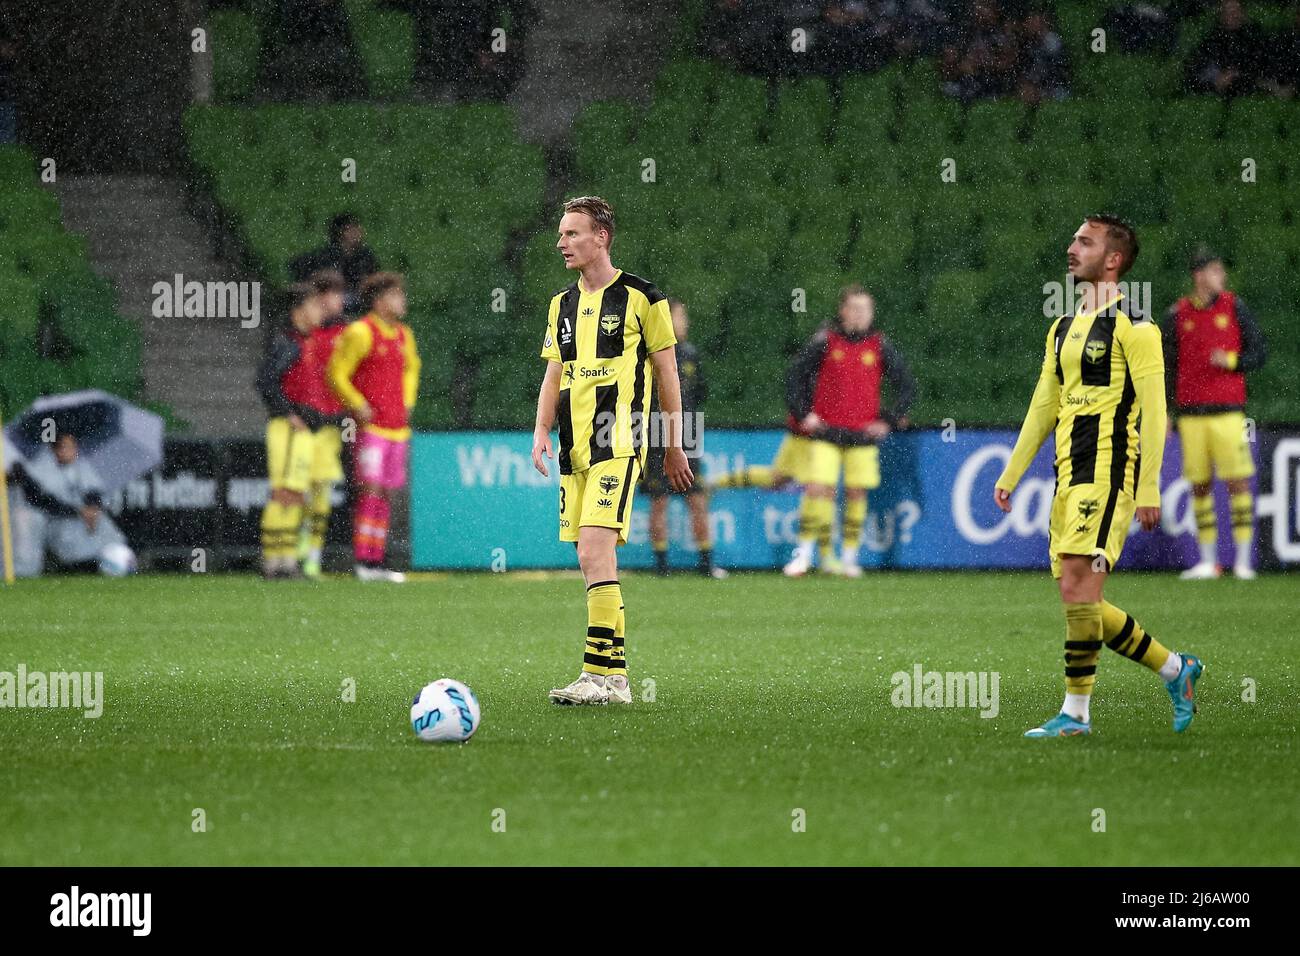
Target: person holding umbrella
[57, 505]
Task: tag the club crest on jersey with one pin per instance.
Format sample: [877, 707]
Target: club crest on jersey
[1095, 350]
[566, 332]
[609, 323]
[1221, 321]
[1088, 508]
[608, 483]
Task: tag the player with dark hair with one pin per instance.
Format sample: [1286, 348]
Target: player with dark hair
[655, 483]
[1211, 341]
[609, 336]
[1101, 390]
[375, 370]
[284, 381]
[327, 457]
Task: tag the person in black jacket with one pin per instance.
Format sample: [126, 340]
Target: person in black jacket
[347, 252]
[287, 385]
[834, 393]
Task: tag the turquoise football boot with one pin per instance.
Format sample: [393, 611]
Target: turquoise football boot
[1062, 725]
[1182, 691]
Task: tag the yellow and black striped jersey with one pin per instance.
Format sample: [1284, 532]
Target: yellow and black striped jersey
[1089, 394]
[604, 339]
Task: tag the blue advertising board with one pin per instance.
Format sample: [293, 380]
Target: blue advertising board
[478, 503]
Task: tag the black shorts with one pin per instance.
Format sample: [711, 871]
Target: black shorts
[655, 483]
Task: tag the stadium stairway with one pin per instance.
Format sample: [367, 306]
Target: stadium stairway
[586, 50]
[139, 231]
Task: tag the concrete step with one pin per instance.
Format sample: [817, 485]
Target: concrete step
[139, 232]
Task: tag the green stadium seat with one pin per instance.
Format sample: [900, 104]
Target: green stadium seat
[235, 45]
[739, 113]
[386, 42]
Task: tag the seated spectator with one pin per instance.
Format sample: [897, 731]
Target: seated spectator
[747, 33]
[346, 252]
[1283, 70]
[916, 27]
[56, 506]
[310, 55]
[454, 56]
[1227, 62]
[1142, 28]
[8, 89]
[850, 38]
[983, 61]
[1043, 71]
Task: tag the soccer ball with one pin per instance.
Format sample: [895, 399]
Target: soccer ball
[116, 561]
[445, 710]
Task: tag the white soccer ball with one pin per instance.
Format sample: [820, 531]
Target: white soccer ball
[445, 710]
[117, 561]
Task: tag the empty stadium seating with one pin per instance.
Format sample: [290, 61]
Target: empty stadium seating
[763, 197]
[59, 328]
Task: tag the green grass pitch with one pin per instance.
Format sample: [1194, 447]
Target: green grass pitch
[225, 693]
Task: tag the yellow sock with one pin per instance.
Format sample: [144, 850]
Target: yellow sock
[755, 476]
[1123, 635]
[318, 518]
[815, 517]
[1243, 517]
[855, 514]
[618, 653]
[1207, 531]
[1083, 630]
[280, 524]
[603, 601]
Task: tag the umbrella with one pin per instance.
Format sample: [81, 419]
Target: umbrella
[119, 440]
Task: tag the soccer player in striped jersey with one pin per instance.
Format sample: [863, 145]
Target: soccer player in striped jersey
[375, 370]
[609, 337]
[1102, 391]
[1211, 341]
[283, 380]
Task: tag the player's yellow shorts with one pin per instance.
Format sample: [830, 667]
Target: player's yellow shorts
[1091, 520]
[289, 455]
[1215, 444]
[601, 496]
[327, 461]
[792, 457]
[860, 463]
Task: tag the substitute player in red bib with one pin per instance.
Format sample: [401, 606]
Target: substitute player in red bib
[834, 392]
[327, 446]
[375, 370]
[1211, 341]
[283, 381]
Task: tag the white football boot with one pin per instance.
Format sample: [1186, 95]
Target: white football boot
[618, 690]
[1243, 571]
[801, 562]
[1201, 571]
[584, 690]
[365, 573]
[849, 566]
